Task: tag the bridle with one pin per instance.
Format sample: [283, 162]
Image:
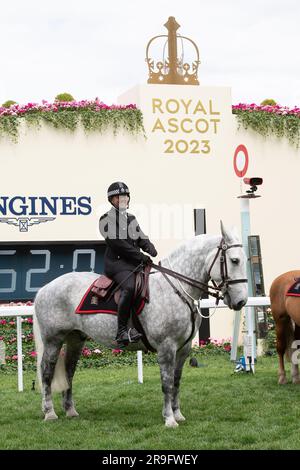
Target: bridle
[226, 281]
[215, 289]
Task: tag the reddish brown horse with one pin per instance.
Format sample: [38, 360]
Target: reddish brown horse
[286, 313]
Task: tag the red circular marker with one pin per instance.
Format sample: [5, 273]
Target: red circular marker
[241, 166]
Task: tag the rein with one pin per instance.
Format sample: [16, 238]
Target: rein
[189, 280]
[226, 281]
[187, 303]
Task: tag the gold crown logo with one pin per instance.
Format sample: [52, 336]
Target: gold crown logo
[173, 70]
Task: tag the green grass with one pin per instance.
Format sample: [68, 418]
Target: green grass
[223, 411]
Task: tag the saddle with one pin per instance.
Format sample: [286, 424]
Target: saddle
[294, 289]
[105, 288]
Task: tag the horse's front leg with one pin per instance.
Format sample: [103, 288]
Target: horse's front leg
[180, 360]
[166, 359]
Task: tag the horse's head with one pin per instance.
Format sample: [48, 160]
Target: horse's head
[227, 268]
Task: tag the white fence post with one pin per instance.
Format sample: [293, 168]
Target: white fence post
[20, 354]
[140, 366]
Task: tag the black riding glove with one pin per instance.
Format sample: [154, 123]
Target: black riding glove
[153, 252]
[146, 259]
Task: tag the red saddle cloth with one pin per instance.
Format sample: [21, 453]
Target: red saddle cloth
[294, 290]
[103, 294]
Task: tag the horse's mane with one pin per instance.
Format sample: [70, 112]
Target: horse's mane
[196, 243]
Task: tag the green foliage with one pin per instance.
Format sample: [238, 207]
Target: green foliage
[70, 118]
[267, 124]
[268, 102]
[64, 97]
[9, 126]
[8, 103]
[270, 340]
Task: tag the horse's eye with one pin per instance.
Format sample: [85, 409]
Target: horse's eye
[235, 260]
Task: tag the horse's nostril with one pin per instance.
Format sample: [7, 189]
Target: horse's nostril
[240, 305]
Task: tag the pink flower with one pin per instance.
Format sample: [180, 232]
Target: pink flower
[3, 322]
[15, 357]
[86, 352]
[117, 351]
[33, 354]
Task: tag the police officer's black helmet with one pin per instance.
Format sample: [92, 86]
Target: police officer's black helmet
[117, 189]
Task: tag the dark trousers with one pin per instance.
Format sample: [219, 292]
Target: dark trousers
[126, 298]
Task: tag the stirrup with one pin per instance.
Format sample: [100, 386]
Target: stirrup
[122, 338]
[133, 335]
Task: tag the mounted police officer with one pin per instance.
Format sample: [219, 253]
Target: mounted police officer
[124, 239]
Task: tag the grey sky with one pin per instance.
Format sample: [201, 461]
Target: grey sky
[94, 48]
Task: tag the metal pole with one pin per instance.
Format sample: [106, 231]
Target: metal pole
[235, 337]
[20, 356]
[140, 366]
[249, 311]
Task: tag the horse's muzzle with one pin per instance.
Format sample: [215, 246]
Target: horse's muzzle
[239, 305]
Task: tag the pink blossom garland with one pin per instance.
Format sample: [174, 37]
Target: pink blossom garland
[95, 105]
[276, 109]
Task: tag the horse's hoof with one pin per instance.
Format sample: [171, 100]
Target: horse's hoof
[171, 423]
[71, 413]
[178, 416]
[50, 415]
[282, 380]
[296, 379]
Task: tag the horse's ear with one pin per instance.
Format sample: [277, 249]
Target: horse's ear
[235, 232]
[225, 233]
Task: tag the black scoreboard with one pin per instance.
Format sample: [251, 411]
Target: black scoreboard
[26, 267]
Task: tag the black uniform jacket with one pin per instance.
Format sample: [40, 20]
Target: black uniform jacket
[124, 238]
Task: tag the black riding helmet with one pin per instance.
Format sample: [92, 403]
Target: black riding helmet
[117, 189]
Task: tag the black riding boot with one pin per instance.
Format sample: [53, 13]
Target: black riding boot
[123, 335]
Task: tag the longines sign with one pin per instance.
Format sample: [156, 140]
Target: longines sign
[24, 211]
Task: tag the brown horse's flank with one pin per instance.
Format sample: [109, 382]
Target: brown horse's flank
[286, 314]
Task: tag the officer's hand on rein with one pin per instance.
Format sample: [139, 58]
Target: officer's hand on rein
[153, 253]
[146, 259]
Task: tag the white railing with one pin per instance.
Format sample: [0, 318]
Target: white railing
[28, 310]
[18, 311]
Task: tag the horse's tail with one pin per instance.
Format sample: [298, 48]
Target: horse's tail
[59, 382]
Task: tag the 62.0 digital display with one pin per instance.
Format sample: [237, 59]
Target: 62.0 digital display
[24, 269]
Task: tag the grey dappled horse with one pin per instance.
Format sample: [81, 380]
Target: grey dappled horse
[166, 319]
